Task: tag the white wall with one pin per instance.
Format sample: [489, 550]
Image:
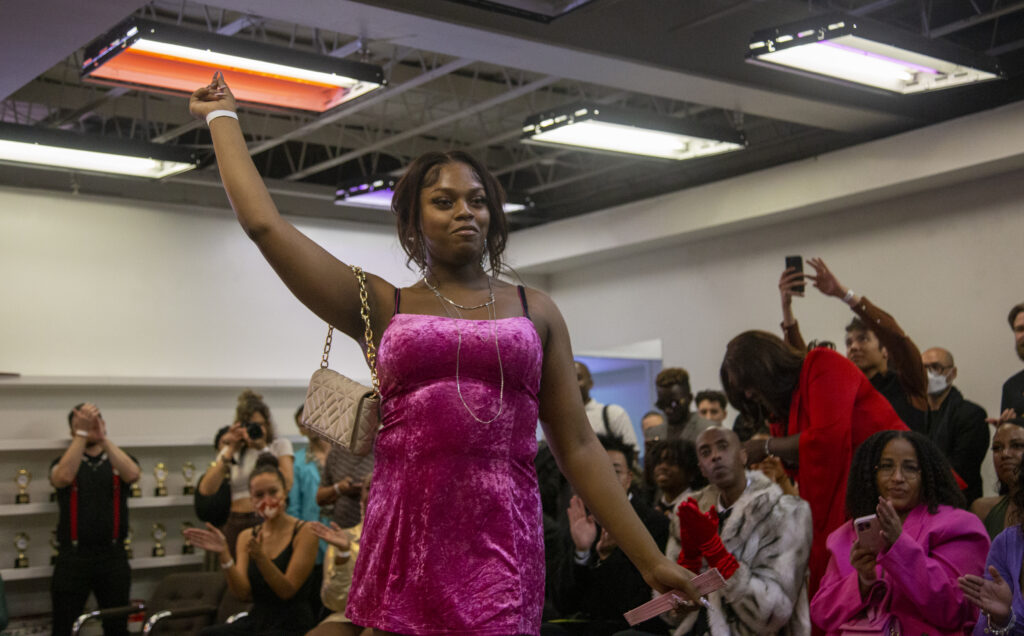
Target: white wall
[106, 287]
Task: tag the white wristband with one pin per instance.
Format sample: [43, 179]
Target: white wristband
[347, 554]
[221, 113]
[81, 433]
[337, 490]
[227, 566]
[849, 296]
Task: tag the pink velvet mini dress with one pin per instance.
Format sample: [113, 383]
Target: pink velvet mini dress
[452, 540]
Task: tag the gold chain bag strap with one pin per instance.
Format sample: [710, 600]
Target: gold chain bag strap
[338, 408]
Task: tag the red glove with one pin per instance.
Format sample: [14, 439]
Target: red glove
[699, 532]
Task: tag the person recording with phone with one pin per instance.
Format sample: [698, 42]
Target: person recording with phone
[251, 435]
[272, 564]
[897, 572]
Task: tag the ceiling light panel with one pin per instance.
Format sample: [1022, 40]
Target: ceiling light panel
[150, 55]
[868, 54]
[605, 129]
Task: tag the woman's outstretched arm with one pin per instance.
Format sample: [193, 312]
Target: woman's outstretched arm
[584, 461]
[319, 280]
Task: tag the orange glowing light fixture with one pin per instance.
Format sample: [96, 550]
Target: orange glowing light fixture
[159, 57]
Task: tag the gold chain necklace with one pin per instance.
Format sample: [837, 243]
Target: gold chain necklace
[491, 316]
[490, 292]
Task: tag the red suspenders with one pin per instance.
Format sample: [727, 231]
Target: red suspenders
[117, 510]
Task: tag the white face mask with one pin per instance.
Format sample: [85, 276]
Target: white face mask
[937, 383]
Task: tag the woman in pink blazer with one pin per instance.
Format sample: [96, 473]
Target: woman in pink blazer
[900, 577]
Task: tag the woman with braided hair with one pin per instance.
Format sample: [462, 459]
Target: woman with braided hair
[902, 576]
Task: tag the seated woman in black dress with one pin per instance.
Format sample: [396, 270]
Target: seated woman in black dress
[275, 560]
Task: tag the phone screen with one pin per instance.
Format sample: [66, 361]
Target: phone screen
[796, 263]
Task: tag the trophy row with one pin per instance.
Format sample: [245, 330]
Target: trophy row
[159, 533]
[24, 477]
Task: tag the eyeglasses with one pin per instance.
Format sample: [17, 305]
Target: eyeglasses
[668, 406]
[937, 367]
[910, 471]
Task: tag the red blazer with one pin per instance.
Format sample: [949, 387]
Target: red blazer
[834, 409]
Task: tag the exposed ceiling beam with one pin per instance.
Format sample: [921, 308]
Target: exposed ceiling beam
[974, 20]
[431, 125]
[344, 110]
[507, 49]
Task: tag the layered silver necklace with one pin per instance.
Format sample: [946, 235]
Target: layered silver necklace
[491, 316]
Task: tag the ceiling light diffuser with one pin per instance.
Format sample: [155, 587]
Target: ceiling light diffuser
[28, 145]
[154, 56]
[606, 129]
[865, 53]
[376, 193]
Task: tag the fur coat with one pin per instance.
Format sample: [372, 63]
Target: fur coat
[769, 533]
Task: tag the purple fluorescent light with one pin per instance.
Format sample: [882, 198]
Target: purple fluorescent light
[375, 199]
[851, 49]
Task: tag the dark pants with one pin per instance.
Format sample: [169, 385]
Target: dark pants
[102, 571]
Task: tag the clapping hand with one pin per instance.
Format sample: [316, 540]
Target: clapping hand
[255, 547]
[889, 520]
[992, 596]
[334, 535]
[582, 526]
[210, 538]
[606, 545]
[214, 96]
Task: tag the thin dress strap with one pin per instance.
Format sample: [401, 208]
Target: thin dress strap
[522, 297]
[398, 299]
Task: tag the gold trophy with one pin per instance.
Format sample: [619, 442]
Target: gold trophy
[135, 490]
[54, 546]
[22, 480]
[21, 544]
[160, 472]
[159, 534]
[189, 472]
[187, 547]
[128, 544]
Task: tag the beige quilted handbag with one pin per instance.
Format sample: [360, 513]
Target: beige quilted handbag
[339, 409]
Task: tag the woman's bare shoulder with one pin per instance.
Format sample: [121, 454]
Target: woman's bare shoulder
[984, 505]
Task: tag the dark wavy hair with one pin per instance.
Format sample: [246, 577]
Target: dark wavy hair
[250, 402]
[763, 362]
[678, 451]
[267, 464]
[616, 443]
[423, 173]
[1004, 489]
[711, 395]
[937, 484]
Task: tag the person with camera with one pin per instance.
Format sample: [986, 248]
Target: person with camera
[92, 479]
[251, 435]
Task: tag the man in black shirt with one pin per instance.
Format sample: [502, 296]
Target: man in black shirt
[956, 425]
[1013, 389]
[92, 479]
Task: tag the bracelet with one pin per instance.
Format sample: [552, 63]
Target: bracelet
[221, 113]
[999, 631]
[767, 451]
[347, 554]
[81, 433]
[227, 566]
[848, 297]
[337, 490]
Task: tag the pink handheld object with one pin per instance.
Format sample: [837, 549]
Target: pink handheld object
[705, 584]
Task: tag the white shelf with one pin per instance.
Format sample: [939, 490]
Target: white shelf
[138, 563]
[38, 381]
[127, 442]
[136, 502]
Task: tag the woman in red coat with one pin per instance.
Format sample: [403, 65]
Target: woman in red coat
[820, 408]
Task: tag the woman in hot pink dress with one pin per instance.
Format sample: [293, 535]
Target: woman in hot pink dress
[452, 538]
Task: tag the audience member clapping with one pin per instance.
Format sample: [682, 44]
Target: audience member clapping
[899, 574]
[595, 583]
[821, 408]
[998, 593]
[273, 563]
[757, 537]
[999, 511]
